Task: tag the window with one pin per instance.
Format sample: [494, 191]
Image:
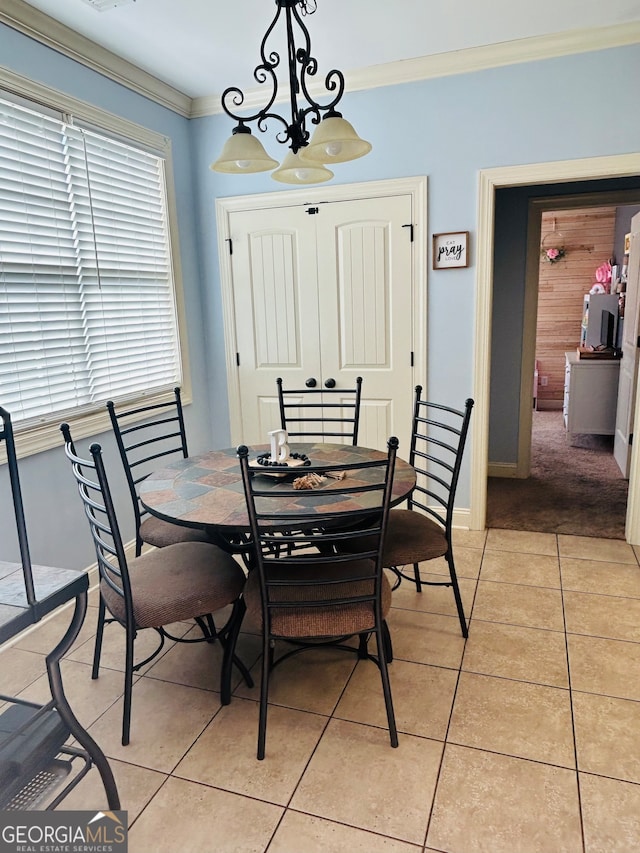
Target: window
[87, 297]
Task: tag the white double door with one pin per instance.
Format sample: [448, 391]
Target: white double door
[324, 294]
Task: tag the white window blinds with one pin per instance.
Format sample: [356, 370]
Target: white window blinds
[87, 307]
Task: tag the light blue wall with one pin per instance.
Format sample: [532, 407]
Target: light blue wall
[58, 532]
[447, 129]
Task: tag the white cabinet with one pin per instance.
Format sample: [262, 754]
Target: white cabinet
[590, 395]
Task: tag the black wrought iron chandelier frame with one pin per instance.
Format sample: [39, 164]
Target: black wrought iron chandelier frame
[295, 131]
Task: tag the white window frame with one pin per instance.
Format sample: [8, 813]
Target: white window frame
[32, 439]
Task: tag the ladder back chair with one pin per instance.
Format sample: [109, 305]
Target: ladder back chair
[320, 414]
[144, 435]
[422, 532]
[310, 594]
[38, 768]
[187, 580]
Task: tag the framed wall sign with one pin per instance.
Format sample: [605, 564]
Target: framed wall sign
[451, 250]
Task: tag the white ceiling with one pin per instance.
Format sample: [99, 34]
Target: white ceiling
[202, 46]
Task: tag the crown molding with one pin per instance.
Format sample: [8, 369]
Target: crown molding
[32, 22]
[493, 56]
[454, 62]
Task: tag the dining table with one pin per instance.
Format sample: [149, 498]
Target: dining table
[205, 491]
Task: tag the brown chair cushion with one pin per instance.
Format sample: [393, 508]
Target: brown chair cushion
[160, 533]
[318, 622]
[412, 538]
[176, 583]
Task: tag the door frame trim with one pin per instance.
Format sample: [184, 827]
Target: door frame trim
[562, 171]
[416, 187]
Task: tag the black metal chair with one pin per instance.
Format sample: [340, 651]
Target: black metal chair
[307, 593]
[37, 767]
[438, 436]
[320, 414]
[187, 580]
[144, 435]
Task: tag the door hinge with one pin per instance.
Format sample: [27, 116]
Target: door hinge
[410, 227]
[237, 359]
[312, 210]
[230, 242]
[412, 358]
[630, 439]
[638, 342]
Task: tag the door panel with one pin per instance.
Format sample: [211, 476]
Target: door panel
[277, 332]
[276, 310]
[365, 309]
[629, 363]
[326, 296]
[363, 297]
[376, 423]
[268, 419]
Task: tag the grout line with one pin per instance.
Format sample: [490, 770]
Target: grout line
[411, 844]
[287, 807]
[453, 700]
[573, 719]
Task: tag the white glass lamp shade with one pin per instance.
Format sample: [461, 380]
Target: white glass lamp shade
[243, 153]
[294, 170]
[334, 141]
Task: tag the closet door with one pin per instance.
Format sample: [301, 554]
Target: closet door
[365, 310]
[275, 291]
[324, 293]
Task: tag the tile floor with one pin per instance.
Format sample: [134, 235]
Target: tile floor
[524, 739]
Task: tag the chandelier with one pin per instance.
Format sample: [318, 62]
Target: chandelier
[333, 141]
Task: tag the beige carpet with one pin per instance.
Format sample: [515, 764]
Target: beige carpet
[576, 489]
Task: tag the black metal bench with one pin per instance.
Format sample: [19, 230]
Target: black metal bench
[37, 767]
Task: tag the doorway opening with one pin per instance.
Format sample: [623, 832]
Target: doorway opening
[503, 352]
[566, 479]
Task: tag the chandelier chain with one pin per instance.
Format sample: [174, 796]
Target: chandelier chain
[295, 131]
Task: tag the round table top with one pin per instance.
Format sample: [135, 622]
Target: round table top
[206, 490]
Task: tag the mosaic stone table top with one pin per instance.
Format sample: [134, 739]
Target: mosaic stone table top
[52, 586]
[206, 490]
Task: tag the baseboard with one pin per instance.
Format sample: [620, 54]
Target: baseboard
[462, 518]
[548, 405]
[503, 469]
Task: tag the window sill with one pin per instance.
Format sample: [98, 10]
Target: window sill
[38, 438]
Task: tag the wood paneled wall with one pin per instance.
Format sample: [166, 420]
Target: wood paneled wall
[588, 243]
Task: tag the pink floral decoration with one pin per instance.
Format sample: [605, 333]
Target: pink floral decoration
[553, 255]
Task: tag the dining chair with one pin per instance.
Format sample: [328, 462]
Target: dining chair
[422, 532]
[187, 580]
[319, 414]
[310, 595]
[157, 432]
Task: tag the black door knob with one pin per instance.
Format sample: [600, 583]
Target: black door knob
[329, 383]
[311, 382]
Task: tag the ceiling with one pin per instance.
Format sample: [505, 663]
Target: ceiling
[202, 46]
